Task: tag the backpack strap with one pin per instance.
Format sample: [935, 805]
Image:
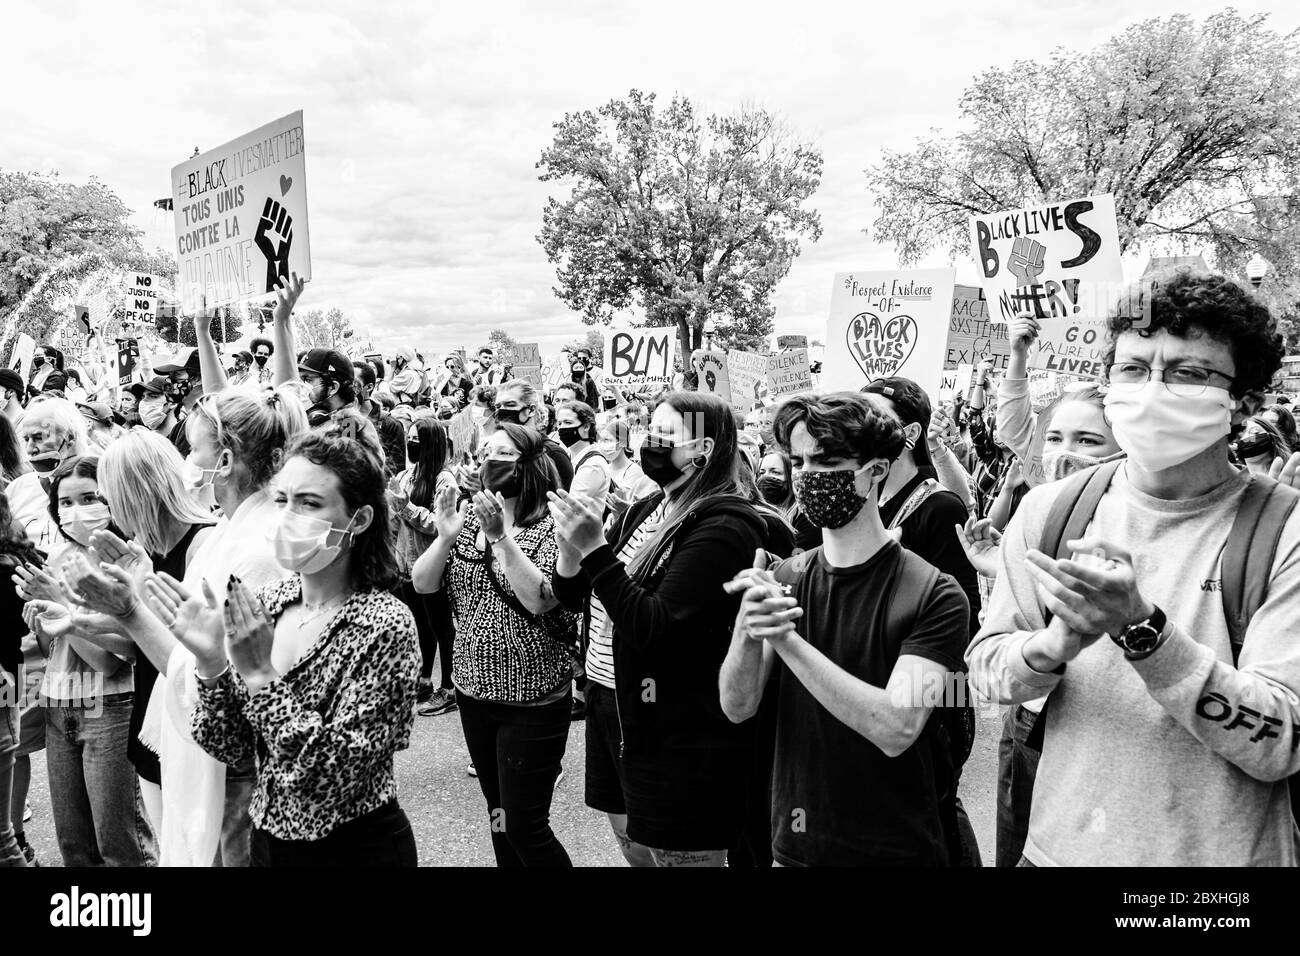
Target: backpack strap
[1247, 560]
[1074, 507]
[912, 587]
[917, 498]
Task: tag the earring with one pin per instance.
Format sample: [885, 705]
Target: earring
[699, 461]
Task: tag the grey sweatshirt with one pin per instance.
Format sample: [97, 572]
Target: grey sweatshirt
[1180, 759]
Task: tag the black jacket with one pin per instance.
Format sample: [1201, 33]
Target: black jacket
[672, 626]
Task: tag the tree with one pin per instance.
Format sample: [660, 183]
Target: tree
[594, 342]
[172, 327]
[315, 329]
[1193, 127]
[683, 218]
[502, 344]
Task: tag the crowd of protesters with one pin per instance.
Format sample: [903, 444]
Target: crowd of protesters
[229, 591]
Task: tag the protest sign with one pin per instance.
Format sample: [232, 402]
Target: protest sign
[1044, 388]
[81, 313]
[20, 357]
[128, 351]
[711, 370]
[555, 372]
[141, 305]
[522, 355]
[241, 216]
[956, 382]
[792, 341]
[789, 372]
[888, 323]
[972, 338]
[1032, 468]
[1059, 262]
[461, 430]
[635, 357]
[747, 374]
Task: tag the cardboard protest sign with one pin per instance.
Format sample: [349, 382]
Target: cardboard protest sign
[1032, 468]
[711, 370]
[1061, 263]
[789, 372]
[637, 357]
[20, 357]
[555, 372]
[972, 337]
[523, 355]
[141, 305]
[888, 323]
[792, 341]
[241, 216]
[128, 351]
[747, 374]
[955, 382]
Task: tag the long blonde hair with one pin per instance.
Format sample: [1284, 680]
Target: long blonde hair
[140, 478]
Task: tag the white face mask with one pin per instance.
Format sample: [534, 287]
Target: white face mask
[1159, 429]
[609, 449]
[302, 542]
[1062, 464]
[152, 413]
[81, 521]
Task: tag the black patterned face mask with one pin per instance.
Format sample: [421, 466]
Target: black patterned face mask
[828, 498]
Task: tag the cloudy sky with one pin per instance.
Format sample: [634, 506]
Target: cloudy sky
[424, 122]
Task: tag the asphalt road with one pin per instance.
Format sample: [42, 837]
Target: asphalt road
[449, 815]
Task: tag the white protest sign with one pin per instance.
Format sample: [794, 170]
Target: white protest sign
[956, 382]
[1061, 263]
[241, 216]
[747, 372]
[461, 430]
[711, 370]
[1044, 388]
[141, 305]
[789, 372]
[635, 357]
[888, 323]
[20, 358]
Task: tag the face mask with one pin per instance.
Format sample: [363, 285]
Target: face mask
[413, 451]
[657, 461]
[609, 449]
[153, 412]
[578, 368]
[1159, 429]
[773, 489]
[570, 436]
[478, 414]
[38, 361]
[610, 403]
[180, 389]
[446, 416]
[1062, 464]
[1263, 445]
[828, 498]
[81, 521]
[511, 416]
[302, 542]
[500, 476]
[260, 359]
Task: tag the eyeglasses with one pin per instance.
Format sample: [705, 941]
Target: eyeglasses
[1185, 381]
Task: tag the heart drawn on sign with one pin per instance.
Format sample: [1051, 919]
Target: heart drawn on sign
[286, 183]
[880, 346]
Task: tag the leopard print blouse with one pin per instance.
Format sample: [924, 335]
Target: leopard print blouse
[325, 733]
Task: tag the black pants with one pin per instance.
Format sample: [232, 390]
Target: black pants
[517, 753]
[382, 837]
[436, 629]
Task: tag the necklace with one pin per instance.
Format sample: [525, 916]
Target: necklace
[319, 609]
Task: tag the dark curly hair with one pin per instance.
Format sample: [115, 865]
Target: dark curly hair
[844, 425]
[1184, 300]
[360, 472]
[270, 346]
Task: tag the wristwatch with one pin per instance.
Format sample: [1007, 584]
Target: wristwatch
[1141, 639]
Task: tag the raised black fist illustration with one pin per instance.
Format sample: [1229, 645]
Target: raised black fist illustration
[273, 238]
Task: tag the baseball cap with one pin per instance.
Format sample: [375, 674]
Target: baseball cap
[186, 360]
[11, 380]
[910, 400]
[328, 363]
[97, 411]
[157, 385]
[245, 356]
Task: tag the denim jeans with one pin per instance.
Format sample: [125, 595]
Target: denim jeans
[10, 855]
[1017, 767]
[236, 825]
[517, 753]
[99, 816]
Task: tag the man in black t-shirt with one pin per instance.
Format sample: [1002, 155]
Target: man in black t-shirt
[869, 639]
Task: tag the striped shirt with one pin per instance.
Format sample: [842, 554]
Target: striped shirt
[600, 646]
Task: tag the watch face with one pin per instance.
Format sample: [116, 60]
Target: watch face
[1139, 638]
